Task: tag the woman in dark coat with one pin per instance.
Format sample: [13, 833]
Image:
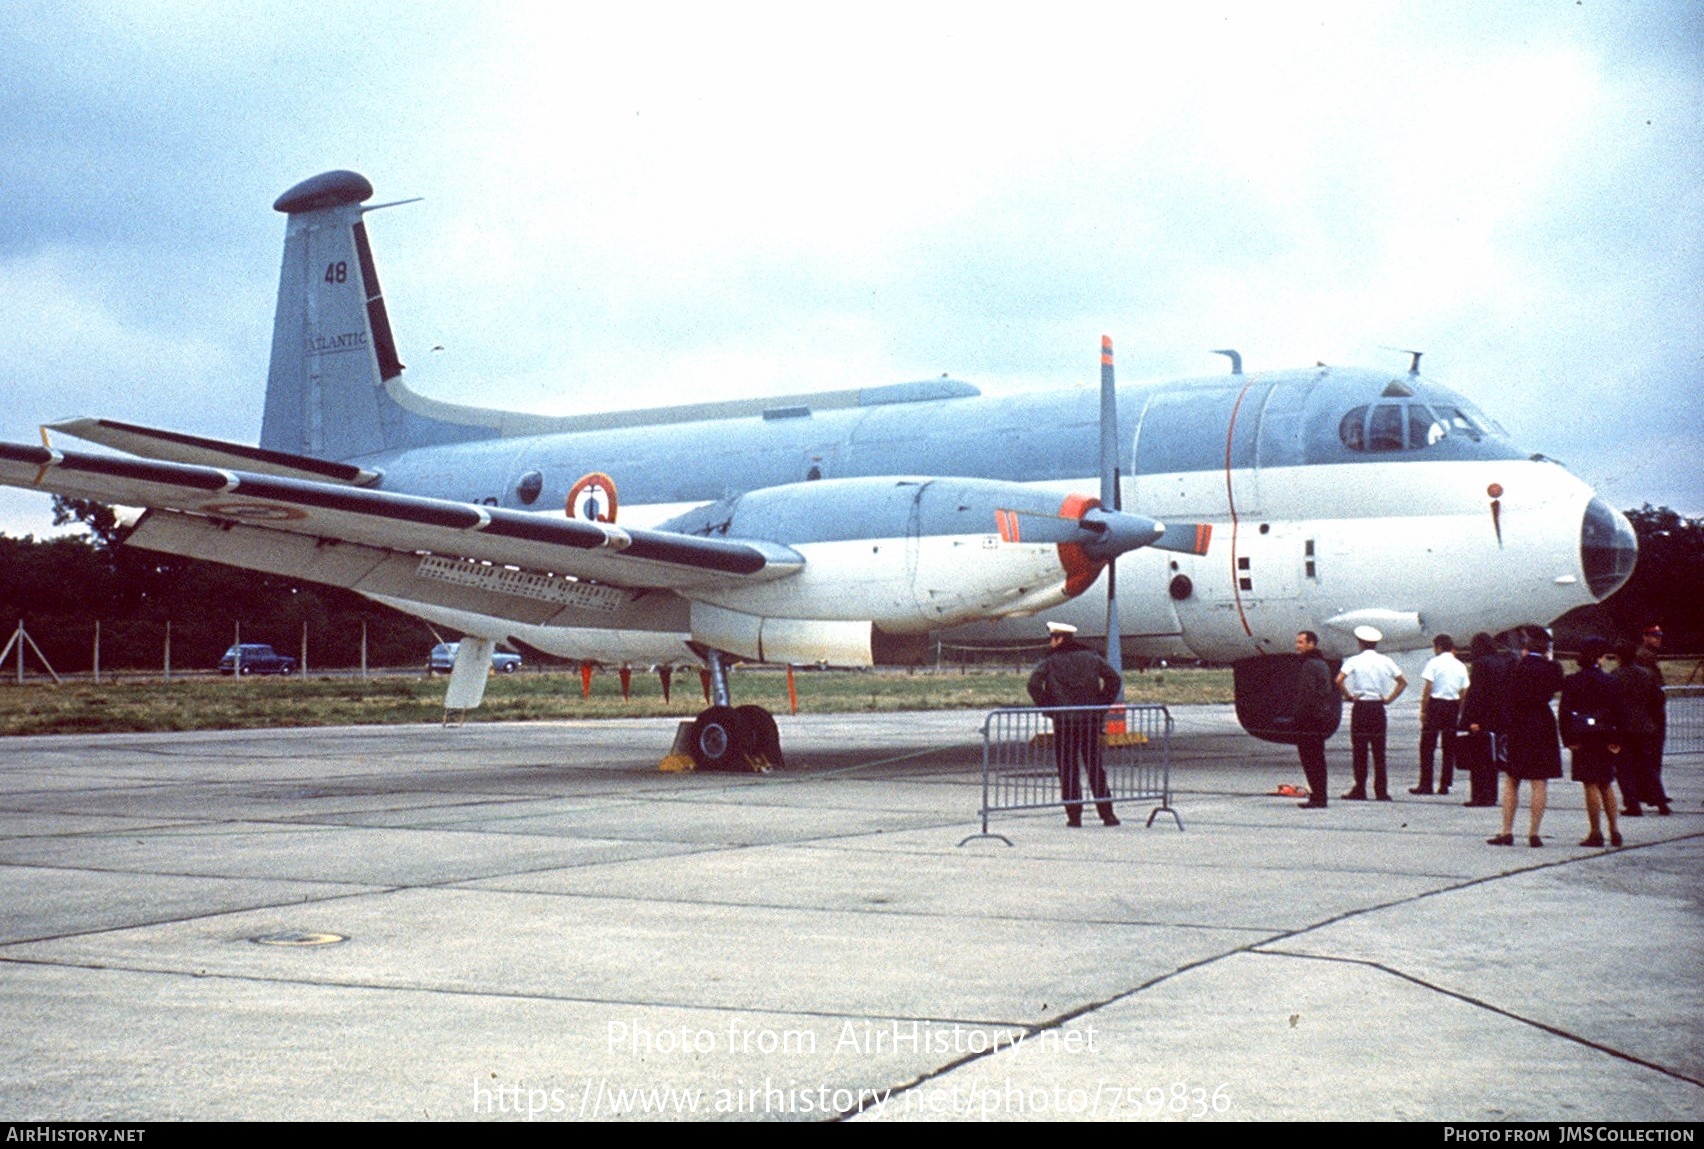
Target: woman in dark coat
[1591, 710]
[1535, 751]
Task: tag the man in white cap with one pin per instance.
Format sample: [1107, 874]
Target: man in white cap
[1073, 675]
[1370, 681]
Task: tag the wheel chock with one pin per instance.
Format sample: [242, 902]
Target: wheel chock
[679, 758]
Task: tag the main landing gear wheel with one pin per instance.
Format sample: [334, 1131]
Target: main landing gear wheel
[765, 735]
[720, 739]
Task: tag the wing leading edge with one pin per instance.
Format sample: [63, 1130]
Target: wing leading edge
[638, 559]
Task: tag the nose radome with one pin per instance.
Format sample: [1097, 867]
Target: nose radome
[1608, 548]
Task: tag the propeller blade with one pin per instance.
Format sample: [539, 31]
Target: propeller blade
[1110, 501]
[1184, 538]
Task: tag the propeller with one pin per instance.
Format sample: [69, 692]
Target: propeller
[1109, 499]
[1092, 533]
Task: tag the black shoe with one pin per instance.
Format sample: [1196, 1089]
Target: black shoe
[1312, 804]
[1534, 841]
[1501, 840]
[1423, 790]
[1592, 841]
[1111, 820]
[1615, 838]
[1383, 798]
[1663, 809]
[1632, 812]
[1355, 795]
[1443, 789]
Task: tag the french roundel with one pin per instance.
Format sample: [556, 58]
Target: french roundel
[593, 498]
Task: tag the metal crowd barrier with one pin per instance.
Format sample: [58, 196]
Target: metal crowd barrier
[1685, 720]
[1020, 767]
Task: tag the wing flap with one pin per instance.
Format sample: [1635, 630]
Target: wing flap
[405, 523]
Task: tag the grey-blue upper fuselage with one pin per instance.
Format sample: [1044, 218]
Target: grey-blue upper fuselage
[1279, 419]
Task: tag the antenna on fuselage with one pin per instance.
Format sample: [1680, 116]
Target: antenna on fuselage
[1235, 358]
[1413, 363]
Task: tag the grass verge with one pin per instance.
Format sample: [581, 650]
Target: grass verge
[133, 704]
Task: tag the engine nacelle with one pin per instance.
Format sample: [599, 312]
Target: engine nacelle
[912, 554]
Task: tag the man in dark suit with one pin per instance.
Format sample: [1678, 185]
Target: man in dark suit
[1317, 704]
[1073, 675]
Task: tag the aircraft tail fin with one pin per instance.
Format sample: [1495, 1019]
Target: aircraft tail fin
[333, 386]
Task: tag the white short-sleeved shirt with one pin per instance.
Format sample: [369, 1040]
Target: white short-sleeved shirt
[1370, 676]
[1448, 676]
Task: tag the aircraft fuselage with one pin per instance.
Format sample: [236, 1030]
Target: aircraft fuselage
[1338, 496]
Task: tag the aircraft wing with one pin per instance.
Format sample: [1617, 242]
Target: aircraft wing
[176, 447]
[407, 524]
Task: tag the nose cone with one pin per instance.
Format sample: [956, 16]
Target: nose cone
[1608, 548]
[1112, 533]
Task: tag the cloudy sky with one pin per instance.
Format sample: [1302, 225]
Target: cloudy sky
[672, 203]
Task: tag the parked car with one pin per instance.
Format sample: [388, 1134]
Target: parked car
[443, 659]
[256, 658]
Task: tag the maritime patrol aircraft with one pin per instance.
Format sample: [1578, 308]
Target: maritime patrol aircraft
[850, 527]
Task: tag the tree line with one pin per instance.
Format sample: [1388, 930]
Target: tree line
[61, 587]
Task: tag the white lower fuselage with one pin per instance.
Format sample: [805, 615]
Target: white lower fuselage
[1411, 546]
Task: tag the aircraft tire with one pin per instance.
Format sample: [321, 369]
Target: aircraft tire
[720, 738]
[765, 735]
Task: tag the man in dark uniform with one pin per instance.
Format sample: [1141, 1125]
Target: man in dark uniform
[1317, 704]
[1650, 646]
[1649, 770]
[1073, 675]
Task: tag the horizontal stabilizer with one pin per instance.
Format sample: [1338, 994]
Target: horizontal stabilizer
[176, 447]
[1185, 538]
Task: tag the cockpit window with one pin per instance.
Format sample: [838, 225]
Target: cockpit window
[1463, 423]
[1353, 429]
[1424, 428]
[1384, 429]
[1401, 427]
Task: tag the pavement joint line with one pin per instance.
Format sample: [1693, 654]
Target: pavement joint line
[180, 920]
[875, 909]
[512, 995]
[1485, 1005]
[1254, 948]
[1060, 859]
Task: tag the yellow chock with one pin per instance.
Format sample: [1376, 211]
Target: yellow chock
[679, 758]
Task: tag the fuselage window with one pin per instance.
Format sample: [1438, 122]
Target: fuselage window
[527, 490]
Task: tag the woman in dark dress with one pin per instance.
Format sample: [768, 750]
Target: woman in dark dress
[1535, 751]
[1591, 706]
